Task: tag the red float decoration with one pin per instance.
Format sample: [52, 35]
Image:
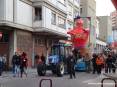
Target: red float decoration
[79, 34]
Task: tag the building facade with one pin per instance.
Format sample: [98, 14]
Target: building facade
[114, 25]
[100, 45]
[88, 9]
[33, 26]
[105, 26]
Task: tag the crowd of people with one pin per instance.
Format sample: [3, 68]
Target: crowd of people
[104, 62]
[98, 62]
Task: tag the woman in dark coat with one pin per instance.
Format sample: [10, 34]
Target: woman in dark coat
[24, 64]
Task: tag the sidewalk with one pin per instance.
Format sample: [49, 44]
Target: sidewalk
[30, 71]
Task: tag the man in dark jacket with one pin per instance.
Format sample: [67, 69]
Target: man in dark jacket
[71, 65]
[109, 64]
[114, 62]
[94, 63]
[16, 60]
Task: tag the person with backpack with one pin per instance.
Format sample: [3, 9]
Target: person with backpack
[24, 64]
[16, 64]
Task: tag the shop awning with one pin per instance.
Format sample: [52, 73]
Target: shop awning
[114, 3]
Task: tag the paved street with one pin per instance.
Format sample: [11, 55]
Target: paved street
[83, 80]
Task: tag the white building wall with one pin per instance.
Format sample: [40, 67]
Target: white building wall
[77, 3]
[47, 21]
[24, 13]
[53, 1]
[61, 6]
[9, 10]
[47, 17]
[2, 11]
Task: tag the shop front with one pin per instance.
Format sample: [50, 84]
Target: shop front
[5, 45]
[43, 44]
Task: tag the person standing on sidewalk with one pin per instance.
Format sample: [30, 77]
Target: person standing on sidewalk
[24, 64]
[87, 60]
[71, 65]
[43, 58]
[94, 63]
[16, 64]
[100, 63]
[1, 65]
[109, 64]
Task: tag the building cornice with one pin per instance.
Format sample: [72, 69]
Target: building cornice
[43, 29]
[15, 25]
[27, 2]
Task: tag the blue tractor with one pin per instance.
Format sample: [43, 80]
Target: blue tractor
[55, 62]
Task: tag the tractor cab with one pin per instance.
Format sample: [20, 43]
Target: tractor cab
[57, 54]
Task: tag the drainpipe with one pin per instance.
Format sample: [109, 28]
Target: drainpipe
[46, 44]
[33, 52]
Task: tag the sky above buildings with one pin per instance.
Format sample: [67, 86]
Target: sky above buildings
[104, 7]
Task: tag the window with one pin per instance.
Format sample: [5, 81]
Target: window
[38, 13]
[53, 19]
[61, 22]
[81, 10]
[39, 41]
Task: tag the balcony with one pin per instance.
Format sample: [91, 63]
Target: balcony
[37, 24]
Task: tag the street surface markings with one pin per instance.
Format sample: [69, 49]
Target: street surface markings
[95, 80]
